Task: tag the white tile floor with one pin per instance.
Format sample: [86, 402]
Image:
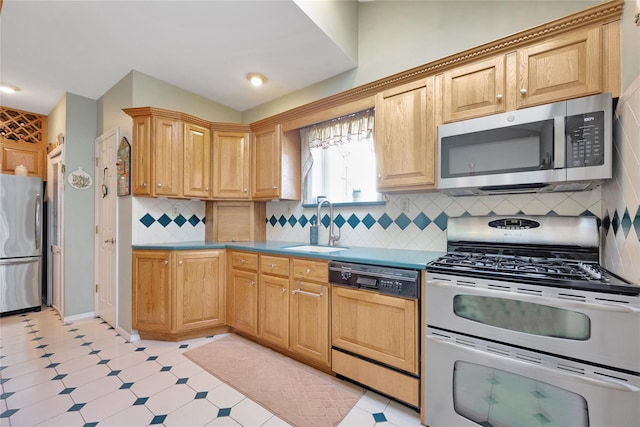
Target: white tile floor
[84, 374]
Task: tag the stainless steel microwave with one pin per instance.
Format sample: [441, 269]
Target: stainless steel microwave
[564, 146]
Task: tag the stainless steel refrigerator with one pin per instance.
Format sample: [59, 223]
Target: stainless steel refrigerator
[20, 243]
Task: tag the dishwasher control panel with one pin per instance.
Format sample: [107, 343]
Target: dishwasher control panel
[385, 280]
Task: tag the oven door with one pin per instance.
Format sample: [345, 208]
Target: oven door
[471, 382]
[566, 322]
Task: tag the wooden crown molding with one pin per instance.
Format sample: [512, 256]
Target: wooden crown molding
[176, 115]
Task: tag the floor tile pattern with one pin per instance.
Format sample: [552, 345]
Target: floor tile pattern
[84, 374]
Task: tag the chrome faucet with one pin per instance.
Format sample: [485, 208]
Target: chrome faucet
[333, 238]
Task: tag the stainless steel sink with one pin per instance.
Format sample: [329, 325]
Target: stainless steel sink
[314, 248]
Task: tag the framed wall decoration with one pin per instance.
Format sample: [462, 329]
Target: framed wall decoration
[124, 167]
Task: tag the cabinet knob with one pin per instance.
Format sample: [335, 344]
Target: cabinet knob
[308, 270]
[252, 283]
[499, 97]
[165, 262]
[242, 261]
[180, 262]
[275, 187]
[284, 290]
[245, 190]
[523, 91]
[159, 185]
[206, 189]
[379, 176]
[144, 184]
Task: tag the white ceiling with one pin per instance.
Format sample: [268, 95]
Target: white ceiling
[51, 47]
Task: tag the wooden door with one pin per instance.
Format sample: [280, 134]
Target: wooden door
[376, 326]
[273, 309]
[309, 325]
[231, 165]
[242, 301]
[141, 182]
[167, 155]
[474, 90]
[199, 289]
[197, 162]
[561, 68]
[405, 137]
[151, 297]
[266, 164]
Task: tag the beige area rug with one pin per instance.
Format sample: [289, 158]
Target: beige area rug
[298, 394]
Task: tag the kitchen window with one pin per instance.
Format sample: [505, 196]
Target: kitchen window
[339, 160]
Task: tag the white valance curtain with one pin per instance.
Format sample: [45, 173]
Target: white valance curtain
[341, 130]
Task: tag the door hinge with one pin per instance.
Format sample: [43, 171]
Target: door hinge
[96, 229]
[96, 288]
[96, 161]
[63, 169]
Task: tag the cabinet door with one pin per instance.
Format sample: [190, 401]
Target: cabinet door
[167, 156]
[231, 165]
[266, 163]
[405, 137]
[562, 68]
[242, 303]
[141, 183]
[199, 289]
[273, 309]
[309, 325]
[197, 161]
[474, 90]
[13, 154]
[377, 326]
[151, 293]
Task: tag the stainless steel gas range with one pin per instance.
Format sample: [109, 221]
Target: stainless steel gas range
[524, 327]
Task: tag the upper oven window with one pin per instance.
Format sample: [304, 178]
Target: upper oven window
[521, 316]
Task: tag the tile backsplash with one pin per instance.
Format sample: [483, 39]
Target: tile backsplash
[621, 195]
[167, 220]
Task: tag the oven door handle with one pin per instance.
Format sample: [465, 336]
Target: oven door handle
[505, 361]
[556, 302]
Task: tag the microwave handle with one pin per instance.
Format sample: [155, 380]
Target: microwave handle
[559, 143]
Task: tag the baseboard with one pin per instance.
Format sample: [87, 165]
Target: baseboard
[76, 317]
[129, 337]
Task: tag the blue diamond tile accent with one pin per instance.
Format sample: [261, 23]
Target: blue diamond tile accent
[313, 219]
[37, 339]
[201, 395]
[147, 220]
[86, 344]
[282, 220]
[79, 336]
[303, 220]
[113, 373]
[606, 223]
[292, 220]
[52, 365]
[402, 221]
[353, 220]
[615, 222]
[4, 380]
[180, 220]
[339, 220]
[368, 221]
[550, 213]
[325, 220]
[67, 390]
[42, 346]
[95, 351]
[126, 386]
[441, 221]
[5, 395]
[158, 419]
[636, 223]
[164, 220]
[273, 220]
[104, 362]
[76, 407]
[165, 369]
[224, 412]
[385, 221]
[140, 401]
[421, 221]
[194, 220]
[58, 377]
[73, 330]
[89, 424]
[8, 413]
[47, 355]
[141, 348]
[626, 223]
[150, 358]
[183, 346]
[379, 417]
[182, 380]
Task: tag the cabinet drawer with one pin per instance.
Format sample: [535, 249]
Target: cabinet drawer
[278, 266]
[311, 270]
[244, 261]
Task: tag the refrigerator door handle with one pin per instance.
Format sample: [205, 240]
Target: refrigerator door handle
[38, 220]
[16, 261]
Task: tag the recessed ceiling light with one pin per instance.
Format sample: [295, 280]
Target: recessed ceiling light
[7, 88]
[256, 79]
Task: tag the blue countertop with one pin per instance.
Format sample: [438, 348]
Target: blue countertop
[401, 258]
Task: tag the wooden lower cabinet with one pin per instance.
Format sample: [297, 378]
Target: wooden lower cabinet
[309, 327]
[242, 292]
[178, 294]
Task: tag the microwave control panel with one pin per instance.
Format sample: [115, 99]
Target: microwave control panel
[585, 139]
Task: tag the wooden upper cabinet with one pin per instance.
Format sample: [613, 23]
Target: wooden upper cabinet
[197, 161]
[564, 67]
[275, 164]
[231, 166]
[167, 155]
[405, 137]
[141, 157]
[473, 90]
[23, 141]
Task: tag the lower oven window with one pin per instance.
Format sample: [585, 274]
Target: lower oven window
[495, 398]
[521, 316]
